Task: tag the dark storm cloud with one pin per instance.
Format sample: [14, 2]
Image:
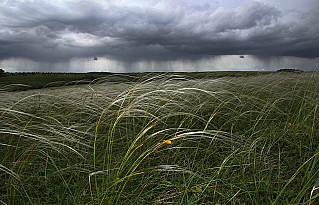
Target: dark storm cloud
[44, 31]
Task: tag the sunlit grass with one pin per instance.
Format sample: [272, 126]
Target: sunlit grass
[163, 139]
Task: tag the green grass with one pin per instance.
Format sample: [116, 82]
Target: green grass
[36, 80]
[27, 81]
[163, 139]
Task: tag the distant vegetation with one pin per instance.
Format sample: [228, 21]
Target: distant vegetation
[162, 139]
[37, 80]
[2, 73]
[291, 70]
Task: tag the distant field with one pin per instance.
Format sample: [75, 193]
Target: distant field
[186, 138]
[27, 81]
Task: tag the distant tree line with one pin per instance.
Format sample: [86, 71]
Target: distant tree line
[291, 70]
[2, 73]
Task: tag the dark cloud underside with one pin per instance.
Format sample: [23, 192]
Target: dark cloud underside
[54, 32]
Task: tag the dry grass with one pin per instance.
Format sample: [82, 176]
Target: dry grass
[166, 139]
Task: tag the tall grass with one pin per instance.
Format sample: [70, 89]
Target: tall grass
[163, 139]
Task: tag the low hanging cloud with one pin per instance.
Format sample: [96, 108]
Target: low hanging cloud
[57, 31]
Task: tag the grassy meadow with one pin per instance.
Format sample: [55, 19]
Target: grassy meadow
[37, 80]
[162, 139]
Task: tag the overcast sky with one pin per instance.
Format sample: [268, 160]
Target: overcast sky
[158, 35]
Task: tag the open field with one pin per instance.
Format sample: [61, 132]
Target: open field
[36, 80]
[163, 139]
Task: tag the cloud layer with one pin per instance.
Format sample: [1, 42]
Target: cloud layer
[55, 31]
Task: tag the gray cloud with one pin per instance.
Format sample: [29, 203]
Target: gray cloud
[51, 31]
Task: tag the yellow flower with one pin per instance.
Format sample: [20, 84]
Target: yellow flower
[118, 178]
[290, 124]
[167, 141]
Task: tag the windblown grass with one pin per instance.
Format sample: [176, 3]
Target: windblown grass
[164, 139]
